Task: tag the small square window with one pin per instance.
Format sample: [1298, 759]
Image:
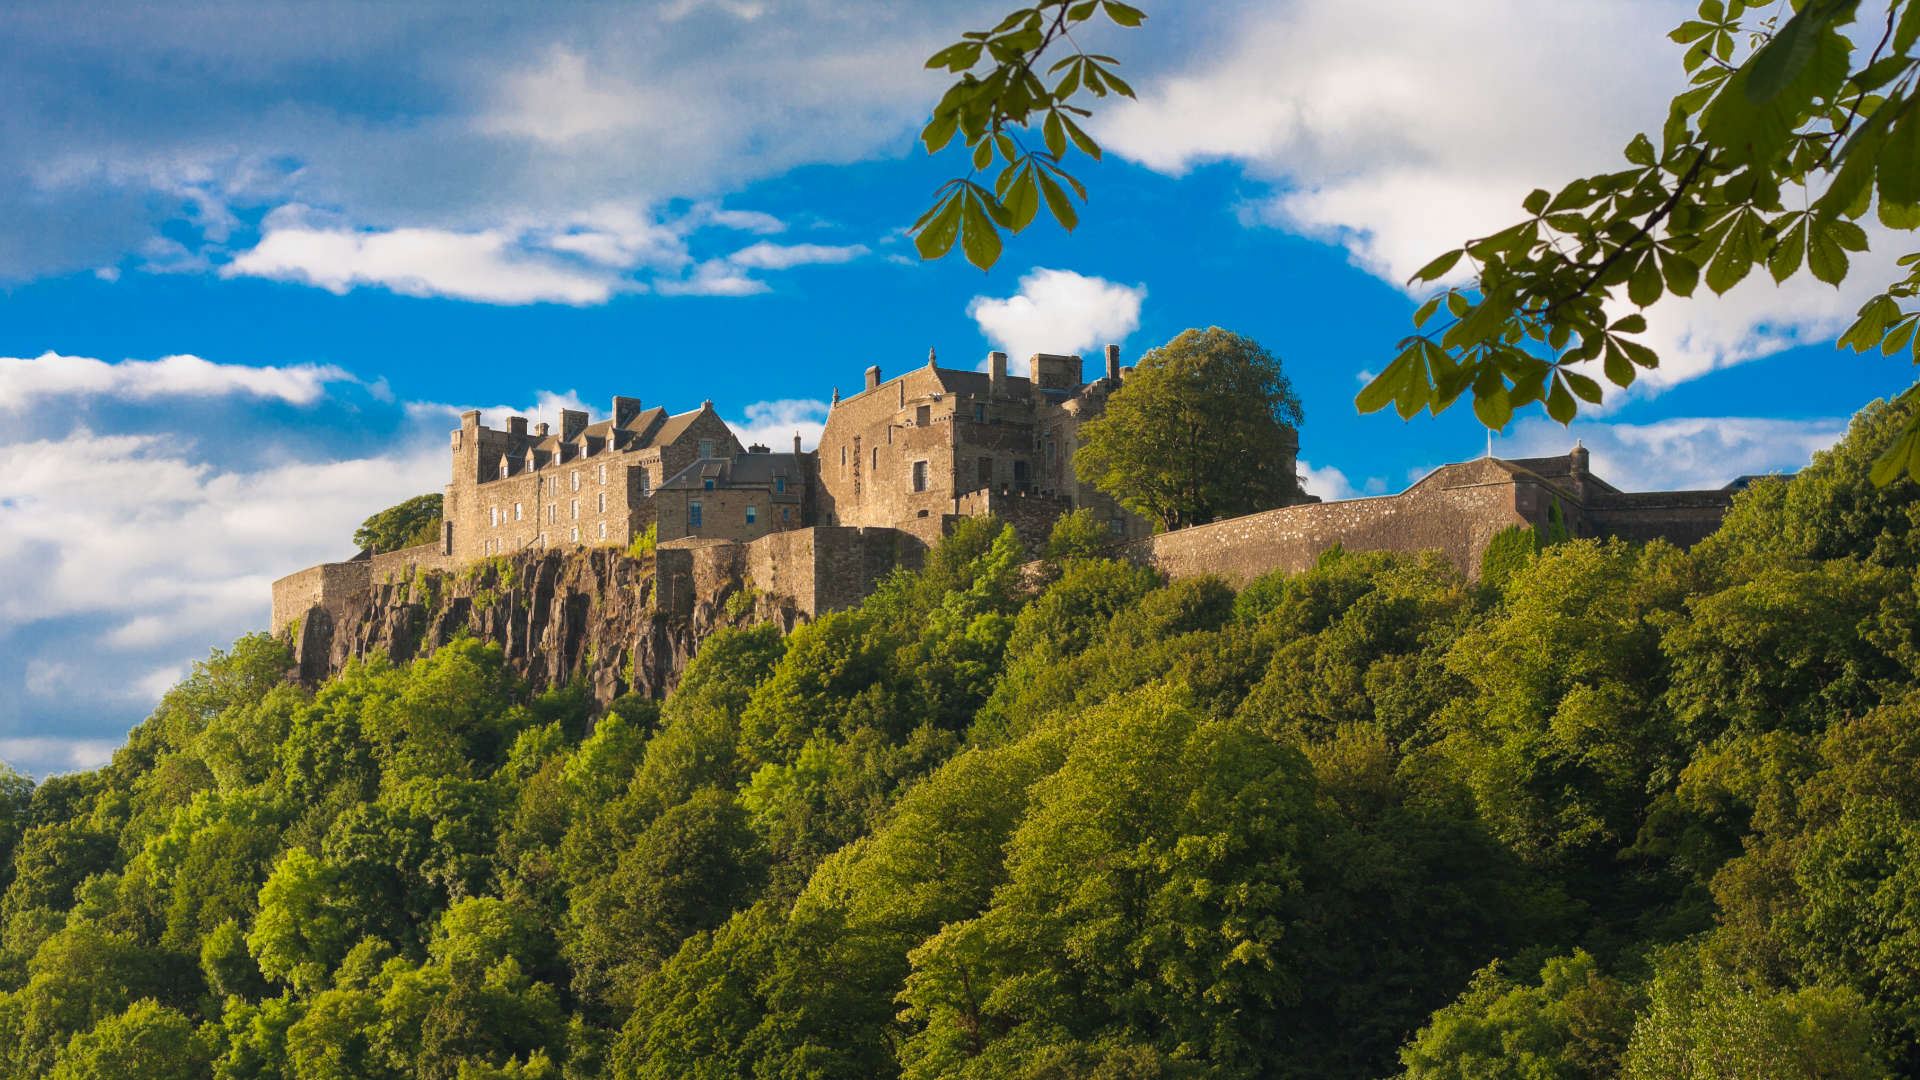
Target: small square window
[707, 483]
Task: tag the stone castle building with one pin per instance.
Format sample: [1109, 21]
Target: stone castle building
[903, 459]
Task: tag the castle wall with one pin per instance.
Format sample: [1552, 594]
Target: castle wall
[1031, 515]
[1455, 519]
[327, 585]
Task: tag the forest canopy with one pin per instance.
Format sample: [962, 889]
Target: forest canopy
[1615, 810]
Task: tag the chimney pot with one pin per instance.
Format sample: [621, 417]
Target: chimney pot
[540, 429]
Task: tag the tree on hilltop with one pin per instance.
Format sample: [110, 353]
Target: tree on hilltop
[416, 521]
[1200, 430]
[1790, 132]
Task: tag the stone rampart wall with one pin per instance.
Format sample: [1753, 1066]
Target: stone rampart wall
[1456, 521]
[328, 585]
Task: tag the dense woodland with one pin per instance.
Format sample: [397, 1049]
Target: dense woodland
[1613, 810]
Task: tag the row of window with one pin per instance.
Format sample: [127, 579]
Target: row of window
[499, 547]
[499, 516]
[549, 485]
[695, 514]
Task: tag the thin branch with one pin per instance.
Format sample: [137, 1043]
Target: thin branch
[1644, 232]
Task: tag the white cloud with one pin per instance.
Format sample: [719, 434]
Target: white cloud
[489, 266]
[1057, 311]
[560, 100]
[45, 755]
[766, 256]
[1327, 482]
[1376, 136]
[715, 277]
[24, 381]
[1683, 453]
[773, 424]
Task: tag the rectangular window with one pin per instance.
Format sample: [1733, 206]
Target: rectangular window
[979, 413]
[706, 448]
[493, 513]
[576, 534]
[923, 416]
[784, 514]
[919, 476]
[646, 483]
[603, 472]
[693, 515]
[889, 434]
[876, 456]
[553, 512]
[576, 479]
[752, 515]
[603, 502]
[603, 530]
[516, 512]
[779, 484]
[574, 506]
[707, 484]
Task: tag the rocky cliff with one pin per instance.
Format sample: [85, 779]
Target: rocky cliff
[593, 614]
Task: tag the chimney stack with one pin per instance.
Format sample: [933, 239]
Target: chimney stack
[796, 444]
[997, 374]
[625, 410]
[1113, 366]
[540, 430]
[572, 423]
[873, 376]
[517, 425]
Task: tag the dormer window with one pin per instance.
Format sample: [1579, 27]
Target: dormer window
[707, 483]
[779, 485]
[505, 469]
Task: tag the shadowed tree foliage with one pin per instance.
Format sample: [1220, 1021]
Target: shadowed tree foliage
[1203, 428]
[416, 521]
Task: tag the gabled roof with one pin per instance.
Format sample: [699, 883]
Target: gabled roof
[740, 471]
[676, 426]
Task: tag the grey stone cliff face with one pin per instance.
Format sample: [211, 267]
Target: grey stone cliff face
[557, 615]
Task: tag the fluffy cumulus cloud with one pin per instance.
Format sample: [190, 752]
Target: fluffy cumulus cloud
[1682, 453]
[1057, 311]
[1399, 130]
[773, 424]
[25, 381]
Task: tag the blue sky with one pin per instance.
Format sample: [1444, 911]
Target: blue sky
[253, 260]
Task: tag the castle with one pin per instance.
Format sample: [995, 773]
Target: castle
[898, 463]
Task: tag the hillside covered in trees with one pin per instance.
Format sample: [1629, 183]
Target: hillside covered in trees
[1614, 810]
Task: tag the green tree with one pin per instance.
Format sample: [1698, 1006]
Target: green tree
[1202, 429]
[148, 1041]
[416, 521]
[1573, 1026]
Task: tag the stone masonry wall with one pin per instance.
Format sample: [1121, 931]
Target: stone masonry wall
[1456, 521]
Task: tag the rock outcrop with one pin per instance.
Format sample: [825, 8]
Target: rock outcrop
[592, 614]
